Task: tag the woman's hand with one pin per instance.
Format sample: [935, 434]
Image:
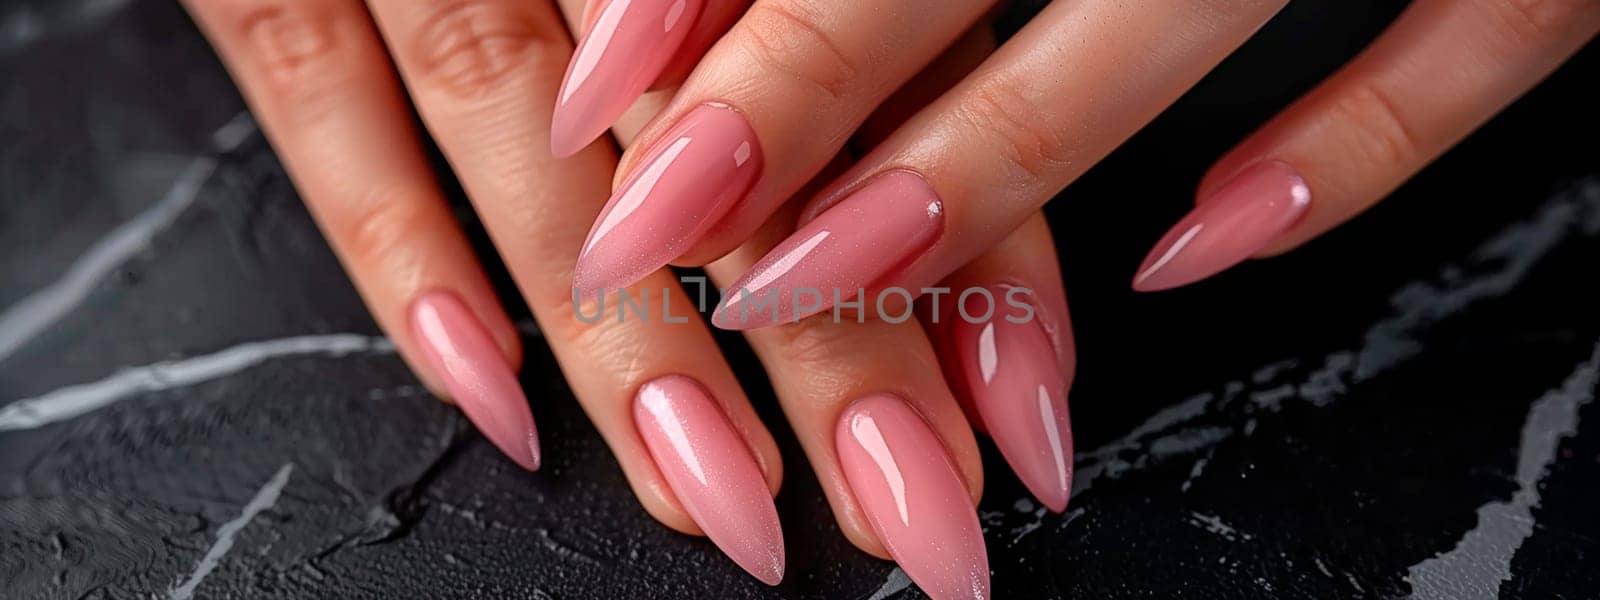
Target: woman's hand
[483, 76]
[886, 435]
[800, 75]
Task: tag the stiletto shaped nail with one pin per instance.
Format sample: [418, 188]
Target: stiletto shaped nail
[1014, 379]
[475, 373]
[712, 472]
[1227, 227]
[870, 235]
[629, 45]
[698, 171]
[913, 496]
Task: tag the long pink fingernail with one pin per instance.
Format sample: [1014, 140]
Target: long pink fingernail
[1015, 380]
[913, 496]
[629, 45]
[872, 234]
[712, 472]
[476, 374]
[698, 171]
[1233, 223]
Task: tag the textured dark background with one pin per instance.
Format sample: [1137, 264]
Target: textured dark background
[190, 391]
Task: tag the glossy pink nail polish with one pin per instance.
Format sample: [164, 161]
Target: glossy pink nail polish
[692, 177]
[629, 45]
[912, 494]
[1233, 223]
[475, 373]
[1016, 383]
[872, 234]
[712, 472]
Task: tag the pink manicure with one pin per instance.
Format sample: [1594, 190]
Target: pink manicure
[1015, 380]
[712, 472]
[629, 45]
[476, 374]
[1238, 220]
[912, 494]
[690, 179]
[870, 235]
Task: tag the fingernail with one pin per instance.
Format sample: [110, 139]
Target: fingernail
[712, 472]
[1227, 227]
[476, 374]
[872, 234]
[1015, 380]
[629, 45]
[689, 180]
[912, 495]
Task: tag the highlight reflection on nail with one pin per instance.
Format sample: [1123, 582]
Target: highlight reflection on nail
[694, 176]
[1015, 380]
[475, 374]
[712, 472]
[913, 496]
[868, 236]
[630, 44]
[1241, 218]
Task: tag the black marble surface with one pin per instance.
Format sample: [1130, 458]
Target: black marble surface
[193, 401]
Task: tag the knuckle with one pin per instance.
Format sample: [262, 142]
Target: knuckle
[379, 228]
[802, 343]
[609, 346]
[1032, 148]
[303, 54]
[294, 42]
[814, 344]
[784, 39]
[565, 310]
[472, 48]
[1381, 131]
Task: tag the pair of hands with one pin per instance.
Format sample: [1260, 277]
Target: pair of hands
[962, 144]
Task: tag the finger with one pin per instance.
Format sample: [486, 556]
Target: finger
[969, 168]
[1444, 68]
[483, 74]
[1003, 335]
[957, 61]
[886, 439]
[316, 77]
[817, 374]
[1019, 275]
[626, 46]
[768, 107]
